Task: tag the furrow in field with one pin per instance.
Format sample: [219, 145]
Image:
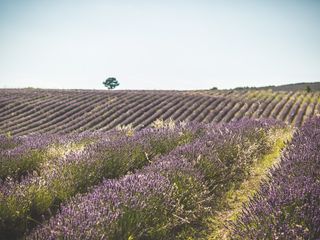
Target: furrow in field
[16, 107]
[218, 105]
[294, 110]
[274, 114]
[199, 114]
[204, 110]
[230, 114]
[271, 106]
[140, 109]
[190, 101]
[261, 107]
[47, 110]
[75, 114]
[122, 113]
[194, 115]
[286, 110]
[50, 117]
[187, 106]
[210, 108]
[254, 108]
[301, 114]
[158, 113]
[241, 113]
[265, 111]
[99, 113]
[224, 111]
[173, 108]
[146, 118]
[34, 112]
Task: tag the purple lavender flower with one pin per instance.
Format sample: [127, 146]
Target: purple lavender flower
[119, 209]
[288, 204]
[58, 179]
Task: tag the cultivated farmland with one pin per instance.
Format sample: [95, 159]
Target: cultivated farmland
[26, 111]
[88, 164]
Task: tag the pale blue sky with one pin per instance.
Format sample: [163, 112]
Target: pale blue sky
[158, 44]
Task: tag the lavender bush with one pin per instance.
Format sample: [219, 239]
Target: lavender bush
[20, 155]
[193, 179]
[225, 154]
[138, 205]
[288, 204]
[92, 216]
[24, 202]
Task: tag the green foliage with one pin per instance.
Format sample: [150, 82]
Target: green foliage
[20, 165]
[8, 135]
[187, 192]
[111, 83]
[148, 222]
[192, 200]
[41, 200]
[308, 89]
[117, 162]
[9, 143]
[157, 221]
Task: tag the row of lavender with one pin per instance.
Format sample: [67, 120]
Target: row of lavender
[34, 182]
[20, 155]
[288, 204]
[41, 111]
[169, 198]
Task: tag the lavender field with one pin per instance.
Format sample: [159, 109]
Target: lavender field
[159, 165]
[29, 111]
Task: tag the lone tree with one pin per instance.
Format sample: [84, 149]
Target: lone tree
[308, 88]
[111, 83]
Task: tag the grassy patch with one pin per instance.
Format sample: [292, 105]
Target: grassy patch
[235, 198]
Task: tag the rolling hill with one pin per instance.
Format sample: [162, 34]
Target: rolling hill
[26, 111]
[314, 86]
[247, 179]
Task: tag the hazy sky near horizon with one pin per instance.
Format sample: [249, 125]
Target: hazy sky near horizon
[158, 44]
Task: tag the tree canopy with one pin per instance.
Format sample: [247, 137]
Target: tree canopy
[111, 83]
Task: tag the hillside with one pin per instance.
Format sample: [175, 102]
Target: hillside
[314, 86]
[245, 179]
[26, 111]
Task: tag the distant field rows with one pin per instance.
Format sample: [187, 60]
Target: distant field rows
[25, 111]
